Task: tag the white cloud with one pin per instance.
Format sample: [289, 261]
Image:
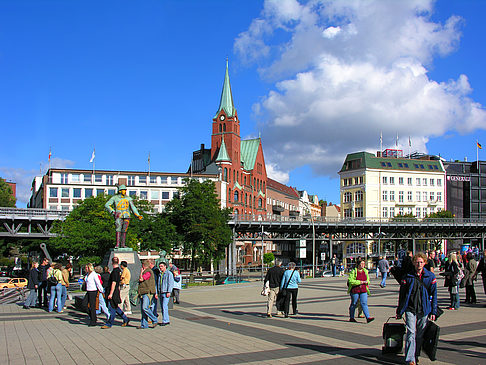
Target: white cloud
[274, 173]
[23, 178]
[349, 70]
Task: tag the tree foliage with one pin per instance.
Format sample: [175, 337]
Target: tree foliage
[441, 214]
[200, 222]
[268, 258]
[6, 195]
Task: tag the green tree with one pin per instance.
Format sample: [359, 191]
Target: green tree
[200, 222]
[6, 195]
[441, 214]
[268, 258]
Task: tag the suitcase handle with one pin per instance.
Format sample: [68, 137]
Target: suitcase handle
[394, 317]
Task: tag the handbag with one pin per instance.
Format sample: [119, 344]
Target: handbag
[266, 289]
[284, 289]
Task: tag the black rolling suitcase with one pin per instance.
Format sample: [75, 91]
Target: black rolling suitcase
[393, 336]
[431, 339]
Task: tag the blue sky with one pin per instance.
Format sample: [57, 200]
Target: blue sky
[317, 80]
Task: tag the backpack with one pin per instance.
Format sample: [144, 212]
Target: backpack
[52, 279]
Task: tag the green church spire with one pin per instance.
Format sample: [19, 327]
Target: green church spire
[226, 102]
[223, 153]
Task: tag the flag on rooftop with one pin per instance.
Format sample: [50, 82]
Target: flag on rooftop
[479, 145]
[92, 156]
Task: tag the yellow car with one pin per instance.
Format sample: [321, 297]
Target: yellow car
[14, 283]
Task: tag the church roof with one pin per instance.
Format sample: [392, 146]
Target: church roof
[249, 150]
[226, 102]
[223, 153]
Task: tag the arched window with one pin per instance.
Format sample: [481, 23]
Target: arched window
[224, 127]
[236, 196]
[260, 203]
[225, 174]
[234, 175]
[220, 128]
[229, 194]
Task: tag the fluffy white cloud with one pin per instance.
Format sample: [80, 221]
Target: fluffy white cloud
[23, 178]
[349, 70]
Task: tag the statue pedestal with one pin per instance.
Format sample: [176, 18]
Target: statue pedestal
[125, 254]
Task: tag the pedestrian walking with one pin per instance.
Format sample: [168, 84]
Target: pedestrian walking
[290, 282]
[93, 287]
[384, 268]
[146, 292]
[32, 285]
[125, 304]
[452, 273]
[112, 295]
[469, 271]
[166, 285]
[176, 292]
[334, 263]
[274, 279]
[358, 289]
[418, 301]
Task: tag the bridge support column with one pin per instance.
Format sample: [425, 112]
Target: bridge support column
[330, 247]
[414, 248]
[233, 254]
[482, 242]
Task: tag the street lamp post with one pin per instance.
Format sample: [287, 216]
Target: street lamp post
[313, 239]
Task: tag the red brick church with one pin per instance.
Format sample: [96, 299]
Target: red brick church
[240, 163]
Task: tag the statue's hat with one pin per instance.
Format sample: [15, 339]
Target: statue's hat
[122, 187]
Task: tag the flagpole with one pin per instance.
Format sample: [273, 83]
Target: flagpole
[381, 143]
[149, 165]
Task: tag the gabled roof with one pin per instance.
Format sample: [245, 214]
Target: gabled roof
[284, 189]
[226, 102]
[249, 150]
[366, 160]
[223, 153]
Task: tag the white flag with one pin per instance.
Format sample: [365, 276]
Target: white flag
[92, 156]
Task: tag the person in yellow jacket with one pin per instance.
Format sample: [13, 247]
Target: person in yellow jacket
[121, 211]
[54, 279]
[358, 288]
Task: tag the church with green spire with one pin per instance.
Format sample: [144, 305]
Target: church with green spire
[240, 163]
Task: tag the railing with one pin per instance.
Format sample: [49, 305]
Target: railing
[33, 212]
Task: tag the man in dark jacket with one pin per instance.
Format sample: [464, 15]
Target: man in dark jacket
[42, 287]
[113, 296]
[274, 278]
[33, 285]
[418, 300]
[481, 268]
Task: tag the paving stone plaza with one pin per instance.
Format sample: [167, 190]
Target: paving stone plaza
[226, 325]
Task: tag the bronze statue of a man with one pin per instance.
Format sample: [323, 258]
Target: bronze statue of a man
[122, 205]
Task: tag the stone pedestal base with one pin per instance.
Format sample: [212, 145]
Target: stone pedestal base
[125, 254]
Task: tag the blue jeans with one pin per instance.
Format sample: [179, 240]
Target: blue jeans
[63, 296]
[147, 312]
[164, 304]
[31, 299]
[113, 313]
[103, 307]
[154, 307]
[383, 278]
[455, 302]
[363, 298]
[56, 291]
[333, 270]
[415, 335]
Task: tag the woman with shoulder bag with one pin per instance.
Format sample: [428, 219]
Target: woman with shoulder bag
[290, 285]
[358, 283]
[93, 286]
[54, 278]
[452, 275]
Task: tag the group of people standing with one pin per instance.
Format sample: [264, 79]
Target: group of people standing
[48, 282]
[155, 284]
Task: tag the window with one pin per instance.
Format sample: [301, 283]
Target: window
[392, 195]
[421, 166]
[348, 213]
[88, 193]
[417, 181]
[165, 195]
[100, 192]
[64, 178]
[260, 203]
[347, 197]
[164, 180]
[409, 181]
[409, 210]
[418, 212]
[415, 165]
[400, 211]
[400, 196]
[235, 197]
[439, 196]
[142, 180]
[75, 178]
[87, 178]
[385, 212]
[424, 196]
[225, 176]
[383, 164]
[418, 195]
[392, 180]
[76, 193]
[358, 196]
[345, 182]
[385, 180]
[431, 167]
[406, 165]
[53, 192]
[432, 182]
[65, 208]
[131, 180]
[385, 195]
[132, 193]
[432, 196]
[400, 181]
[64, 193]
[98, 178]
[109, 180]
[424, 181]
[361, 180]
[409, 196]
[154, 195]
[111, 191]
[153, 179]
[439, 182]
[358, 212]
[392, 212]
[388, 164]
[400, 164]
[143, 194]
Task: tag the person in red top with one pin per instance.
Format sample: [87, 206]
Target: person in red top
[358, 283]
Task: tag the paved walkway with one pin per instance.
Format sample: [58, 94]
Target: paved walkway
[226, 325]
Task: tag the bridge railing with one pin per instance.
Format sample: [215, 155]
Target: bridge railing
[32, 212]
